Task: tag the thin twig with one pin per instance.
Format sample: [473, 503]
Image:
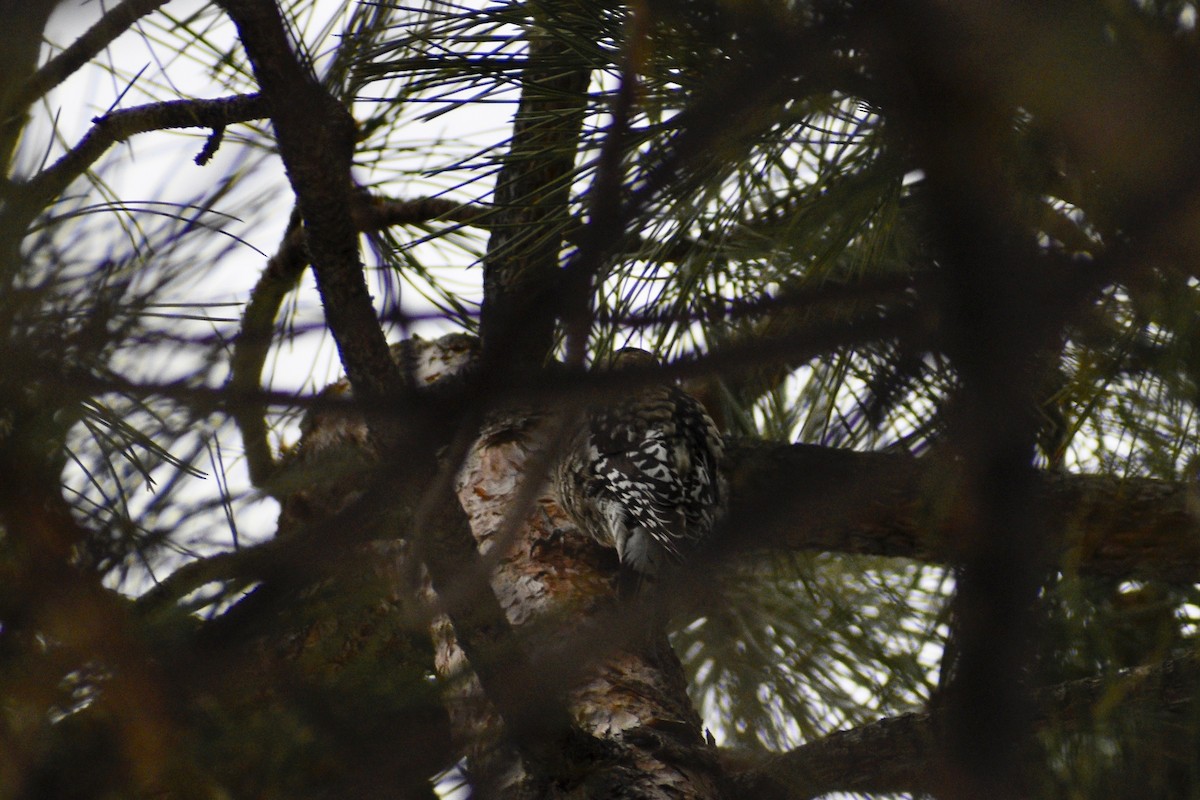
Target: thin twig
[118, 126]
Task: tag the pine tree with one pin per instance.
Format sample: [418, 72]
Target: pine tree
[925, 264]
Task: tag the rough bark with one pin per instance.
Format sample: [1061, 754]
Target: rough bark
[807, 497]
[633, 732]
[628, 692]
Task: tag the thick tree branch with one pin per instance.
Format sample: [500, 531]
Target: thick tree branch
[532, 192]
[897, 754]
[897, 505]
[316, 136]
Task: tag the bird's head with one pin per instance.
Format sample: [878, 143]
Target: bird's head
[633, 358]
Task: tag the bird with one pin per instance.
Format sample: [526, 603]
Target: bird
[642, 474]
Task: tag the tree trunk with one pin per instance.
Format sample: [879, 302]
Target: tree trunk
[622, 684]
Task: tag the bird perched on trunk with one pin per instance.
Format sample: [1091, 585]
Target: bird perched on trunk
[642, 473]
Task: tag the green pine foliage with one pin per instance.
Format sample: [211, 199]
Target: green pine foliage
[770, 205]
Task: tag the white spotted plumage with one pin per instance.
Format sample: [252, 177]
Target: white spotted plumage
[642, 475]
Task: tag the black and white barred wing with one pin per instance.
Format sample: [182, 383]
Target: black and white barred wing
[644, 478]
